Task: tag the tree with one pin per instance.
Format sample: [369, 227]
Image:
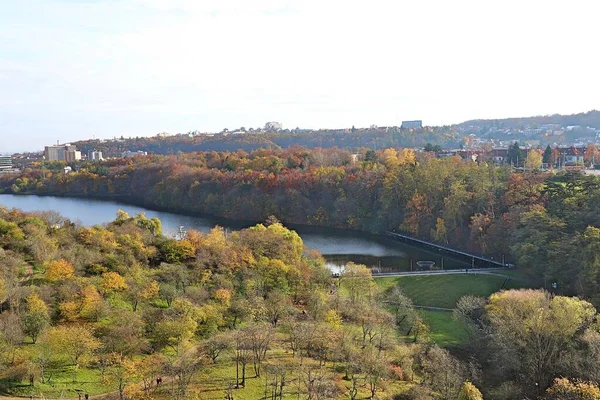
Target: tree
[243, 355]
[216, 345]
[534, 332]
[547, 157]
[375, 367]
[258, 339]
[564, 389]
[59, 270]
[442, 372]
[533, 160]
[469, 392]
[357, 282]
[440, 233]
[515, 155]
[470, 311]
[141, 287]
[11, 334]
[36, 317]
[74, 342]
[433, 148]
[111, 282]
[182, 368]
[592, 154]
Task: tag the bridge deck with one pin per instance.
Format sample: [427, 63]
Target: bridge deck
[448, 249]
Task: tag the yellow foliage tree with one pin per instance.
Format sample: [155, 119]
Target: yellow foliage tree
[533, 160]
[223, 296]
[59, 270]
[469, 392]
[407, 156]
[111, 282]
[563, 389]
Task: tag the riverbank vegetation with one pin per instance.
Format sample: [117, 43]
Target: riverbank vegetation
[546, 224]
[252, 314]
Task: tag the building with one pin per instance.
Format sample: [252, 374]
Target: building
[72, 155]
[59, 153]
[572, 155]
[54, 153]
[416, 124]
[499, 155]
[5, 163]
[94, 155]
[130, 154]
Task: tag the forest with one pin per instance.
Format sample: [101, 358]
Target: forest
[253, 314]
[543, 222]
[249, 140]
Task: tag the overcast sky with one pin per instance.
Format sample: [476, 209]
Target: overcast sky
[74, 69]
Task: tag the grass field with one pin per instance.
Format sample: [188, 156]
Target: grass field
[60, 385]
[444, 330]
[443, 290]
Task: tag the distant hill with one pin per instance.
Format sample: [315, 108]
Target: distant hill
[351, 139]
[587, 119]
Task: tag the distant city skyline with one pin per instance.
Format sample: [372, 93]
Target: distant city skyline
[77, 69]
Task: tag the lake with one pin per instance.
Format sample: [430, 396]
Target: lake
[337, 246]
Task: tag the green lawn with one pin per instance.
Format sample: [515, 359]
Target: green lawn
[61, 384]
[444, 330]
[443, 290]
[518, 274]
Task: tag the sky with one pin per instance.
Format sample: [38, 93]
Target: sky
[77, 69]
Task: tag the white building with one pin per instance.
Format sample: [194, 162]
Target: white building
[94, 155]
[130, 154]
[5, 163]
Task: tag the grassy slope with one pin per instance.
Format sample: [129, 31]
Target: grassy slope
[445, 291]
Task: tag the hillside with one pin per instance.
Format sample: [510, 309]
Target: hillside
[590, 118]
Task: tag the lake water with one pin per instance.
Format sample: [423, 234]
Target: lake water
[337, 246]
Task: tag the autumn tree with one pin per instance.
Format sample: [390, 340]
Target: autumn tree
[442, 372]
[564, 389]
[533, 332]
[36, 317]
[469, 392]
[533, 160]
[59, 270]
[591, 154]
[111, 282]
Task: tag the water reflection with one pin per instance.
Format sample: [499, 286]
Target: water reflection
[337, 246]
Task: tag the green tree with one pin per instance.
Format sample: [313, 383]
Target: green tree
[547, 157]
[36, 317]
[515, 155]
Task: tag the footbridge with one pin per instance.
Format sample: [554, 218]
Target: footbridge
[476, 260]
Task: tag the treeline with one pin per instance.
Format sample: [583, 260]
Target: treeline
[537, 220]
[351, 139]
